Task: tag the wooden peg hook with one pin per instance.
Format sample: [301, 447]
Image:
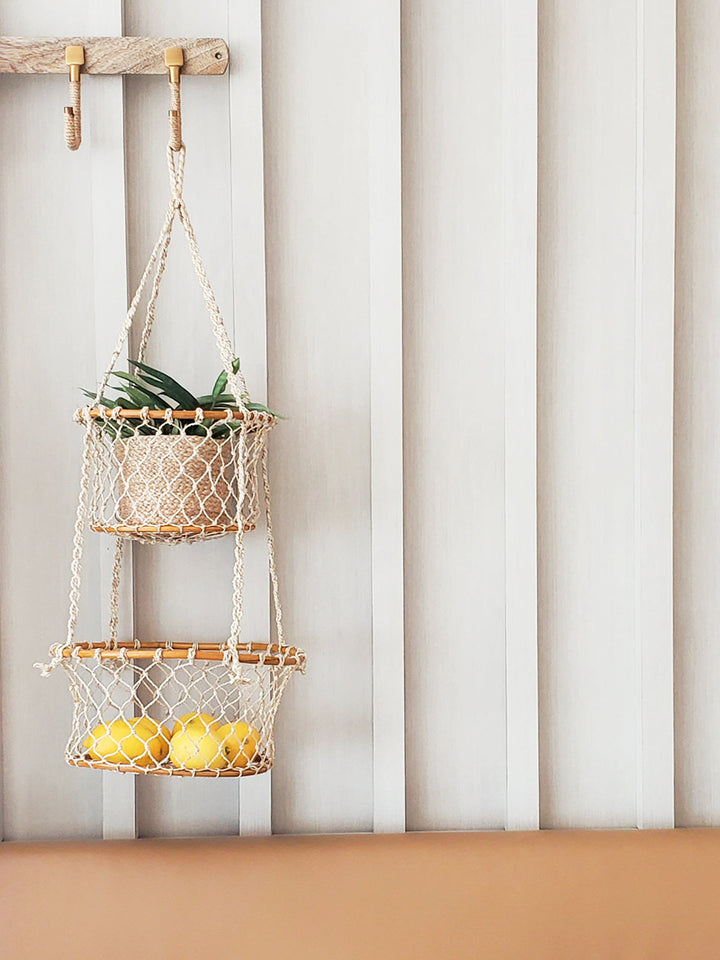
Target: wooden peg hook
[174, 60]
[74, 58]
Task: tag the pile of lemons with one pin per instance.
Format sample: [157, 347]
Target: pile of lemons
[197, 742]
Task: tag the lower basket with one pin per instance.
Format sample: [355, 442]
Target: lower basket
[182, 709]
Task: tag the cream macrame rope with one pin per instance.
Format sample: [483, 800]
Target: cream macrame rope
[236, 386]
[73, 123]
[271, 550]
[175, 117]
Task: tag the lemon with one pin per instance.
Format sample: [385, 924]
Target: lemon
[198, 747]
[239, 742]
[139, 740]
[204, 720]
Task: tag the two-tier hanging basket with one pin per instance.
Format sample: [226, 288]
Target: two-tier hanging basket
[174, 476]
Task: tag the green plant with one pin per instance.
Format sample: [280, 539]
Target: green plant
[156, 390]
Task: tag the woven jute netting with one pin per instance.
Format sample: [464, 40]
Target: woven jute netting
[174, 476]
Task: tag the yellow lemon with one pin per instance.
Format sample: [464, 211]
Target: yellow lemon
[198, 747]
[139, 740]
[239, 742]
[204, 720]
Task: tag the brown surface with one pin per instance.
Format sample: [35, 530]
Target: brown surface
[112, 55]
[492, 896]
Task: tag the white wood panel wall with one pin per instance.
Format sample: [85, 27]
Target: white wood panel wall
[605, 308]
[469, 175]
[697, 421]
[317, 191]
[49, 241]
[406, 209]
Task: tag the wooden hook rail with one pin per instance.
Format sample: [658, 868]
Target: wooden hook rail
[113, 55]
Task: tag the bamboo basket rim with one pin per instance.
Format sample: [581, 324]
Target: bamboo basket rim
[167, 770]
[268, 654]
[111, 413]
[168, 528]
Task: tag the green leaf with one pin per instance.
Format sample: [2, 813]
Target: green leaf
[141, 398]
[220, 385]
[170, 387]
[92, 394]
[261, 408]
[148, 398]
[135, 381]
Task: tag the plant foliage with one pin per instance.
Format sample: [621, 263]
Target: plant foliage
[152, 388]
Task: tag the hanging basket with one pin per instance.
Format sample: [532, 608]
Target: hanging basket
[170, 476]
[174, 476]
[204, 710]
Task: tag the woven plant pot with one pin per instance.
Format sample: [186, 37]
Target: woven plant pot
[176, 480]
[177, 487]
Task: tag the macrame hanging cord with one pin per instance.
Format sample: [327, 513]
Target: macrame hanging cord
[174, 474]
[236, 385]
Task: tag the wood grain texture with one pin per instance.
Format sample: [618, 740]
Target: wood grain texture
[697, 419]
[112, 55]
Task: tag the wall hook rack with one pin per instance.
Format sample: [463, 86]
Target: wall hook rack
[204, 56]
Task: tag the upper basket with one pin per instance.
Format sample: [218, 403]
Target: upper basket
[173, 476]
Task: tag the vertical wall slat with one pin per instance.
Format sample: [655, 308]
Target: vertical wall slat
[454, 345]
[104, 140]
[589, 685]
[519, 92]
[697, 419]
[316, 179]
[48, 347]
[183, 344]
[654, 381]
[605, 417]
[385, 307]
[244, 36]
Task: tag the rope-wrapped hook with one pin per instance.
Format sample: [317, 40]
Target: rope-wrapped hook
[174, 60]
[74, 58]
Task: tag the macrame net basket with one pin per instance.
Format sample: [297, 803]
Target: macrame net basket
[203, 710]
[174, 476]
